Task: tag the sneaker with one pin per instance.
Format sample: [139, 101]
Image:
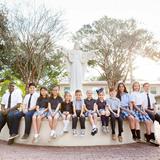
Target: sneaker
[25, 136]
[104, 130]
[107, 129]
[120, 138]
[113, 137]
[82, 133]
[75, 133]
[13, 136]
[35, 139]
[53, 134]
[138, 140]
[65, 130]
[10, 141]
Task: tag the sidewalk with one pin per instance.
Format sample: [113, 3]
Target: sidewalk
[134, 151]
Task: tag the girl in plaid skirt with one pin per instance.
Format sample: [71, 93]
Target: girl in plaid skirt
[126, 109]
[137, 104]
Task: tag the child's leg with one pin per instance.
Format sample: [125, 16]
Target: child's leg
[148, 125]
[132, 124]
[120, 125]
[67, 121]
[138, 133]
[95, 118]
[82, 122]
[107, 120]
[50, 120]
[74, 122]
[55, 120]
[103, 118]
[39, 120]
[91, 120]
[113, 119]
[34, 121]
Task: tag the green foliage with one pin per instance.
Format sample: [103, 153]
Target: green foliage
[29, 48]
[7, 77]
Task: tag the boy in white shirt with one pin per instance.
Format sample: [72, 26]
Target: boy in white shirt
[11, 101]
[149, 103]
[29, 106]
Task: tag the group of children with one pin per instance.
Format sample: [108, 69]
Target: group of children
[136, 107]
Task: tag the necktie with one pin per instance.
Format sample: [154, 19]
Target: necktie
[9, 101]
[29, 102]
[149, 102]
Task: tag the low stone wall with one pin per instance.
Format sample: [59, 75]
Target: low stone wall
[68, 139]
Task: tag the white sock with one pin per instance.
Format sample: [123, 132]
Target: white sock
[36, 135]
[52, 131]
[93, 126]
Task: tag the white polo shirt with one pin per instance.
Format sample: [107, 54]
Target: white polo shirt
[145, 100]
[136, 97]
[16, 98]
[33, 100]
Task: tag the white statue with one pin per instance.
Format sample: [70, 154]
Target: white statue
[77, 66]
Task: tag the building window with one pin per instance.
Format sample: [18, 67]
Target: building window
[153, 90]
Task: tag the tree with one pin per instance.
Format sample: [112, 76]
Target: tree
[116, 43]
[33, 36]
[5, 40]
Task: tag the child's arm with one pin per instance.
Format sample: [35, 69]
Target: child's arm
[85, 108]
[95, 108]
[37, 108]
[74, 110]
[82, 110]
[49, 108]
[110, 109]
[134, 106]
[57, 109]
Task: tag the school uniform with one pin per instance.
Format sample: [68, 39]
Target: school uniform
[125, 103]
[78, 105]
[10, 100]
[115, 104]
[102, 108]
[43, 105]
[67, 107]
[54, 103]
[149, 104]
[29, 101]
[137, 98]
[89, 103]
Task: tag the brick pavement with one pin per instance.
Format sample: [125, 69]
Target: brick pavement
[136, 151]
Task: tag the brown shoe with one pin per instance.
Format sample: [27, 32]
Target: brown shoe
[113, 137]
[120, 138]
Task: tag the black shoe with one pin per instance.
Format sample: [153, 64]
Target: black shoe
[94, 131]
[25, 136]
[10, 141]
[13, 136]
[134, 138]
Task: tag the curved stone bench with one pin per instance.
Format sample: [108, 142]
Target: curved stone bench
[68, 139]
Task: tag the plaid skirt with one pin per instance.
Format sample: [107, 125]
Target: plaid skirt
[125, 114]
[53, 110]
[141, 117]
[89, 113]
[41, 112]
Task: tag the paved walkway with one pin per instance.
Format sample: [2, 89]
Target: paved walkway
[136, 151]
